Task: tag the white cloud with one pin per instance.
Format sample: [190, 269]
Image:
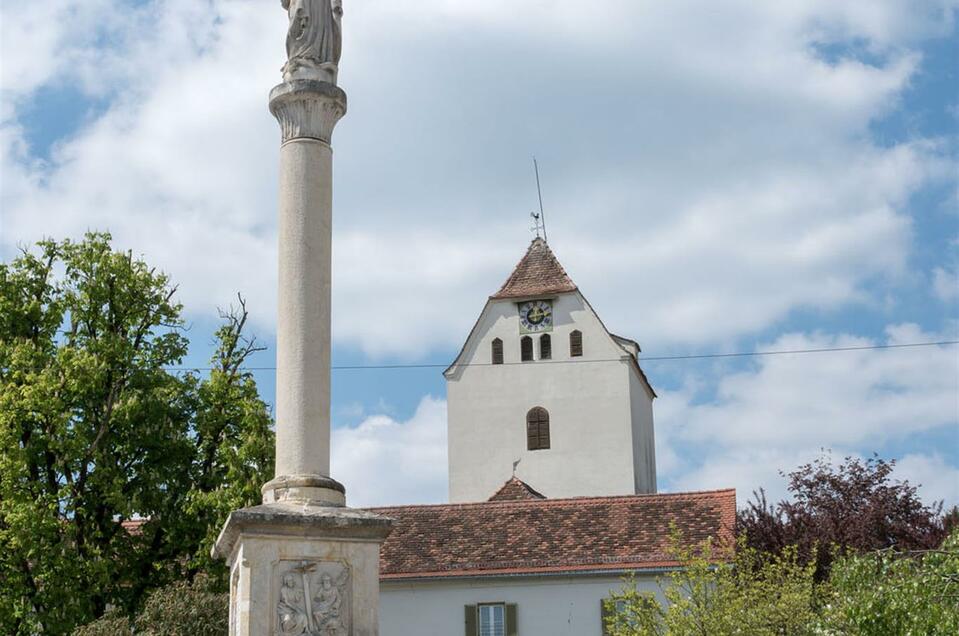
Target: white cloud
[386, 462]
[937, 478]
[945, 283]
[782, 412]
[695, 156]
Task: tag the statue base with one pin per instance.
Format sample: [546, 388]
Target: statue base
[300, 569]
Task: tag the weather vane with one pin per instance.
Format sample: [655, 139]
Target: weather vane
[539, 218]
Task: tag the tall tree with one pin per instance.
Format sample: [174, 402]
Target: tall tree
[852, 507]
[115, 472]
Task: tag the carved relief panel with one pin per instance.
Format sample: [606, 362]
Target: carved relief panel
[312, 598]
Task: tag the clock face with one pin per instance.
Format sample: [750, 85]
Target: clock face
[535, 316]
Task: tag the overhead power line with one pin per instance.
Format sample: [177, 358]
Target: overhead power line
[702, 356]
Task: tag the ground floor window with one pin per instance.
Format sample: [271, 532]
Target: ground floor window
[492, 620]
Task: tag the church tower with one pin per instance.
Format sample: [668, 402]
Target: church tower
[543, 392]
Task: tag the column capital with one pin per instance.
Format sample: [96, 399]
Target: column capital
[307, 109]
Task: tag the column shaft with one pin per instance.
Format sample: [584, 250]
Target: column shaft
[303, 324]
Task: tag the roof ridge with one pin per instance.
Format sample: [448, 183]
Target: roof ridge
[565, 501]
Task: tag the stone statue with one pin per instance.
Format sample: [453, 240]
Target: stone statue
[314, 40]
[291, 610]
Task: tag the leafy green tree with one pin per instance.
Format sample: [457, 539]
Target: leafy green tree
[716, 593]
[890, 592]
[96, 432]
[182, 608]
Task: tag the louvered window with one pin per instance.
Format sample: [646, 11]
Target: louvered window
[576, 344]
[545, 347]
[497, 351]
[526, 349]
[537, 429]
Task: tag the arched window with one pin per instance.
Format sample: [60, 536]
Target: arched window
[545, 347]
[526, 349]
[497, 351]
[576, 344]
[537, 428]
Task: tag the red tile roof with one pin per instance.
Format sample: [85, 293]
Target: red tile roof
[550, 535]
[538, 273]
[516, 490]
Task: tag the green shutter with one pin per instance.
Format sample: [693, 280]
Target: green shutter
[471, 628]
[511, 625]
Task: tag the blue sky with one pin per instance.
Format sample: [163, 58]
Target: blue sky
[719, 176]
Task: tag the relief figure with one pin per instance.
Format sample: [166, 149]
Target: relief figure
[291, 610]
[326, 606]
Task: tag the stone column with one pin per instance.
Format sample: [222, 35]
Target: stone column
[302, 563]
[307, 111]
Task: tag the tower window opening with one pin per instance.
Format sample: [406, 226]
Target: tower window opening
[497, 351]
[545, 347]
[537, 429]
[526, 349]
[576, 344]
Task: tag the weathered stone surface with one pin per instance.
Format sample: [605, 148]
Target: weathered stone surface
[314, 39]
[302, 521]
[303, 570]
[307, 109]
[317, 490]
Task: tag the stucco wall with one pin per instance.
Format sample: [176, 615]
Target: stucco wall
[546, 606]
[591, 450]
[644, 439]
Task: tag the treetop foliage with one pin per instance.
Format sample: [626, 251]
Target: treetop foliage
[95, 430]
[854, 507]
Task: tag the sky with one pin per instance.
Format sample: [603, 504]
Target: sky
[718, 176]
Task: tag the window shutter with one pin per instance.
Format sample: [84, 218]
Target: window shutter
[512, 628]
[532, 435]
[545, 347]
[526, 349]
[576, 344]
[471, 628]
[497, 351]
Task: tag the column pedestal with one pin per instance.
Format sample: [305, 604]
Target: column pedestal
[298, 570]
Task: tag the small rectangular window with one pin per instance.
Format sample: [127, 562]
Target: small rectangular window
[492, 620]
[576, 344]
[526, 349]
[497, 351]
[545, 347]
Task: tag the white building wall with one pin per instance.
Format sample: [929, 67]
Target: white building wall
[644, 439]
[546, 606]
[591, 446]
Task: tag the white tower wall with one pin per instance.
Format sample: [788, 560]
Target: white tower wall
[600, 410]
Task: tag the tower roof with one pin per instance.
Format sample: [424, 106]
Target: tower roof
[538, 273]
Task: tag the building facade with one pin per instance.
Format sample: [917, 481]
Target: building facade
[552, 473]
[521, 565]
[543, 391]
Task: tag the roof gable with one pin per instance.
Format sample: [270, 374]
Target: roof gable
[516, 490]
[538, 273]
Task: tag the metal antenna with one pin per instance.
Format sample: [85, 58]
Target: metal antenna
[539, 191]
